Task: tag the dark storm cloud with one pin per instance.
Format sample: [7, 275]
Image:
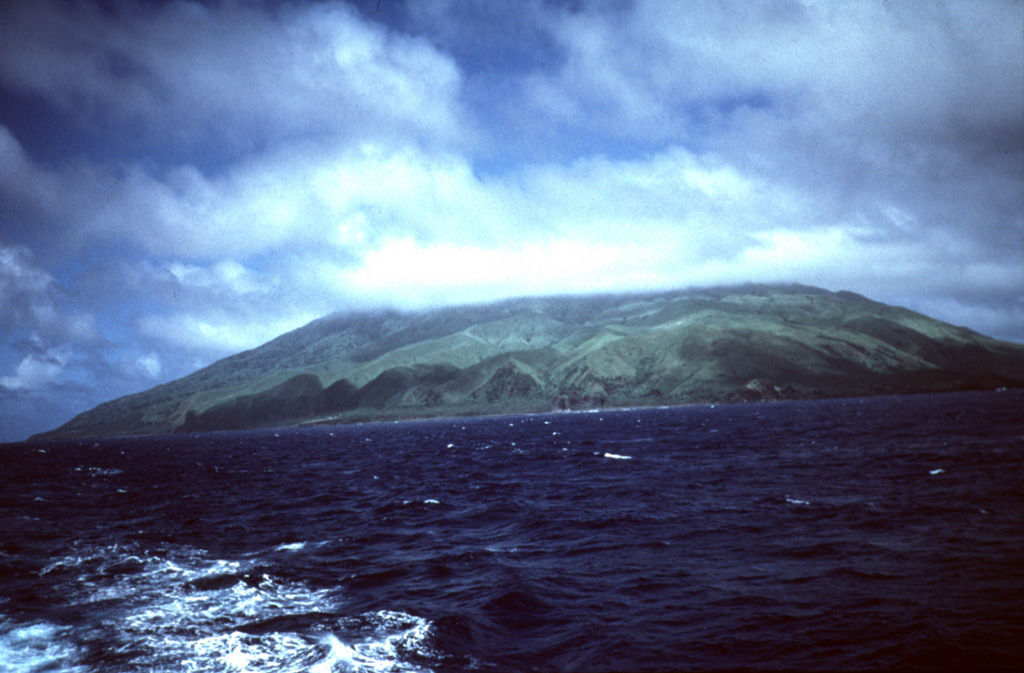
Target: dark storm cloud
[231, 73]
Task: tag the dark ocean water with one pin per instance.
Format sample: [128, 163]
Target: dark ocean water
[846, 534]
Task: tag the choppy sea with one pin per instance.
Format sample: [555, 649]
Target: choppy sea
[855, 534]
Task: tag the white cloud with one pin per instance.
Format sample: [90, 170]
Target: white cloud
[28, 300]
[232, 72]
[406, 273]
[21, 181]
[1002, 321]
[149, 365]
[381, 224]
[227, 277]
[323, 195]
[23, 286]
[331, 203]
[38, 370]
[884, 68]
[218, 335]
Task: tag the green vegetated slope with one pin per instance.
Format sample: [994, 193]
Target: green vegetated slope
[750, 343]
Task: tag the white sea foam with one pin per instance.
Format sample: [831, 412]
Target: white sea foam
[185, 611]
[41, 646]
[394, 633]
[236, 651]
[290, 546]
[617, 456]
[794, 501]
[936, 471]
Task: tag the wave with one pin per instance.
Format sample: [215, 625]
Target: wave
[38, 646]
[516, 549]
[180, 610]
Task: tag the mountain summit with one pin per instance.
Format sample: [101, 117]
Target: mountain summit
[733, 344]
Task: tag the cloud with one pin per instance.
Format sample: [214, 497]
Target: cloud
[211, 335]
[999, 313]
[230, 72]
[289, 235]
[303, 194]
[405, 273]
[38, 370]
[648, 72]
[879, 68]
[29, 300]
[25, 291]
[149, 365]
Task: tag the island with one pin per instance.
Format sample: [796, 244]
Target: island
[742, 344]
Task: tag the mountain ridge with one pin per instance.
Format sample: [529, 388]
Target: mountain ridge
[724, 344]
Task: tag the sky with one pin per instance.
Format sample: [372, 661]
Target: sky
[180, 181]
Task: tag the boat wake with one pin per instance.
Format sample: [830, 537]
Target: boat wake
[180, 610]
